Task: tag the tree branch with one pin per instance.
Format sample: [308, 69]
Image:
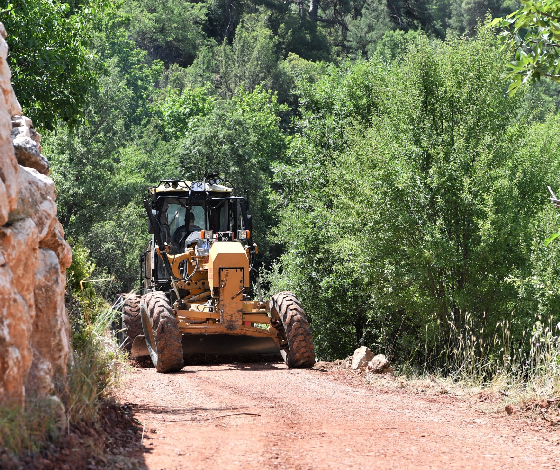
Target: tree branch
[547, 15]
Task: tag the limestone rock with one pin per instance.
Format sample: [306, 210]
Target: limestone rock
[34, 325]
[16, 356]
[50, 339]
[22, 125]
[36, 198]
[379, 365]
[17, 257]
[22, 122]
[11, 103]
[4, 206]
[28, 154]
[9, 168]
[19, 246]
[361, 358]
[55, 241]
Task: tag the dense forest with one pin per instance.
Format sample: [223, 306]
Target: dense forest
[396, 186]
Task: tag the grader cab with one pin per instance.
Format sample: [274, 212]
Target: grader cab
[196, 280]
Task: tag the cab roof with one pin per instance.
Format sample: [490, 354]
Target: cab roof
[174, 186]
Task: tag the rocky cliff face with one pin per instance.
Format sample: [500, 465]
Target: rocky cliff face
[34, 327]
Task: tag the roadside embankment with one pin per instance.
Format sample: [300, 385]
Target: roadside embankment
[34, 327]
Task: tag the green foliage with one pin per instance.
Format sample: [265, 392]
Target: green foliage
[401, 197]
[366, 30]
[96, 368]
[97, 364]
[169, 30]
[406, 208]
[250, 61]
[178, 110]
[302, 37]
[533, 32]
[52, 66]
[240, 139]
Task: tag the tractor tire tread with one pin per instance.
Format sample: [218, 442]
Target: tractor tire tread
[166, 351]
[301, 351]
[131, 320]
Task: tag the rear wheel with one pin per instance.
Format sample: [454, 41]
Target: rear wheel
[161, 332]
[131, 320]
[294, 326]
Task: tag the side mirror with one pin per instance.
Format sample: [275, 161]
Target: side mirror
[150, 228]
[250, 223]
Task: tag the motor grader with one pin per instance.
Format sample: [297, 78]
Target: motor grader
[196, 276]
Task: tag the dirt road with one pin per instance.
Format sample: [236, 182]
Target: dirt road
[265, 416]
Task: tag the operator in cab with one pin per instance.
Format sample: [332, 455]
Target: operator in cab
[180, 233]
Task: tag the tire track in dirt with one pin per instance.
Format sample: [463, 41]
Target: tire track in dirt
[265, 416]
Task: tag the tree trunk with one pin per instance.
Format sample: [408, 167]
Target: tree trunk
[227, 22]
[313, 9]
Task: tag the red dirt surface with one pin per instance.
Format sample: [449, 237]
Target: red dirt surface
[265, 416]
[87, 447]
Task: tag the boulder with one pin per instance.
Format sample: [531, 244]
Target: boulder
[36, 198]
[379, 365]
[28, 154]
[9, 168]
[361, 358]
[50, 339]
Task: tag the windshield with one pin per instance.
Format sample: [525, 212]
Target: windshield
[178, 216]
[225, 216]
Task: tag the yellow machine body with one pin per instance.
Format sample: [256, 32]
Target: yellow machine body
[228, 256]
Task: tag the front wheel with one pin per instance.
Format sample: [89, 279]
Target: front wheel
[287, 309]
[161, 332]
[131, 321]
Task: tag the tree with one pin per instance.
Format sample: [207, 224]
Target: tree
[251, 60]
[533, 32]
[53, 70]
[169, 30]
[366, 31]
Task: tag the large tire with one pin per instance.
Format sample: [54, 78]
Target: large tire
[300, 349]
[161, 332]
[131, 320]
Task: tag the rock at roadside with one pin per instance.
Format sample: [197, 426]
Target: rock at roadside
[379, 365]
[361, 358]
[27, 145]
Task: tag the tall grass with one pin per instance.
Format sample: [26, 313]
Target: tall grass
[529, 365]
[96, 367]
[24, 430]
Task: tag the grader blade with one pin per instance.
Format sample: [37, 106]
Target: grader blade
[228, 345]
[196, 347]
[139, 348]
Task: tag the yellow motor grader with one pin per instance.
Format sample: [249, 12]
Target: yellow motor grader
[196, 275]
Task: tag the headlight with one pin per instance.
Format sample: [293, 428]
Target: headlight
[206, 234]
[243, 234]
[202, 248]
